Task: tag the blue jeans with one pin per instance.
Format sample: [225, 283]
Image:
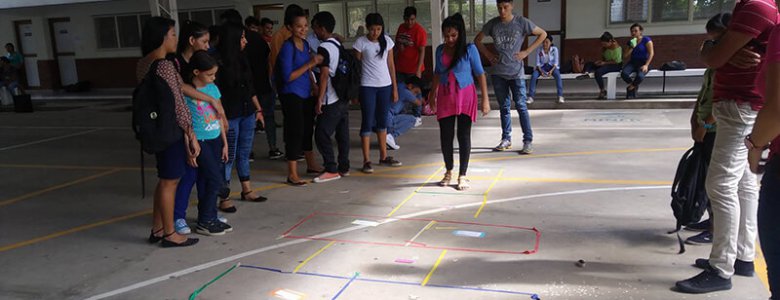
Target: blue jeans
[769, 223]
[630, 68]
[374, 104]
[399, 124]
[516, 89]
[208, 176]
[535, 77]
[240, 136]
[268, 103]
[604, 69]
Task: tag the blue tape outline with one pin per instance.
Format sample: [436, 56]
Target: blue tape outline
[355, 278]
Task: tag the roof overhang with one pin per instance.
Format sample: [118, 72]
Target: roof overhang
[8, 4]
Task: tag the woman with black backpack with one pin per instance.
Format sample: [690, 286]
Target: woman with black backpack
[242, 109]
[157, 41]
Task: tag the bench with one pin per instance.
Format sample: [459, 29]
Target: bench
[612, 78]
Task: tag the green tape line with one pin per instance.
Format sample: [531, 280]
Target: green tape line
[200, 289]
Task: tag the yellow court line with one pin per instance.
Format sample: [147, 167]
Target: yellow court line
[485, 195]
[761, 267]
[312, 256]
[597, 152]
[435, 266]
[414, 192]
[57, 187]
[529, 179]
[74, 230]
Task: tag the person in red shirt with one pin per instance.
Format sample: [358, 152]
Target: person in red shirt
[267, 29]
[410, 40]
[766, 129]
[737, 58]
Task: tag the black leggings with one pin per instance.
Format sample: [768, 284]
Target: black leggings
[298, 125]
[447, 135]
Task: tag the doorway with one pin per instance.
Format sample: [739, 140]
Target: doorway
[64, 50]
[275, 12]
[549, 15]
[27, 46]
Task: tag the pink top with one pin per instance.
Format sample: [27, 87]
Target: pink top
[773, 57]
[453, 101]
[755, 18]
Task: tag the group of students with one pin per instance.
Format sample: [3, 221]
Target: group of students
[10, 68]
[736, 119]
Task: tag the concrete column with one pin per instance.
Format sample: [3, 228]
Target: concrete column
[438, 13]
[165, 8]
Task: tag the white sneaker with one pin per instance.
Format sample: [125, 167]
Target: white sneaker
[418, 122]
[529, 100]
[181, 227]
[560, 99]
[222, 219]
[391, 142]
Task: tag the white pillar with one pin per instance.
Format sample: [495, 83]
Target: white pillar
[165, 8]
[438, 13]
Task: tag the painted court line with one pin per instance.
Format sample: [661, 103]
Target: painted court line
[410, 241]
[414, 192]
[49, 139]
[485, 195]
[468, 288]
[57, 187]
[435, 266]
[303, 263]
[341, 291]
[238, 256]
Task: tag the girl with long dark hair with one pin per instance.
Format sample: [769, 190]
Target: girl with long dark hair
[454, 96]
[378, 88]
[242, 109]
[158, 39]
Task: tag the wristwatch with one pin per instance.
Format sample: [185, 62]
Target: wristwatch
[752, 146]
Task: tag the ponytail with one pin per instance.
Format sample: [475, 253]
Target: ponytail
[375, 19]
[456, 21]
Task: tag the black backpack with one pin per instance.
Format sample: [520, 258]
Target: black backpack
[689, 195]
[154, 113]
[346, 82]
[674, 65]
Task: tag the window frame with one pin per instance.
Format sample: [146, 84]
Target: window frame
[692, 19]
[115, 18]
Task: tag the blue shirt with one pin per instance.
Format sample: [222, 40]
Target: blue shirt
[290, 59]
[204, 117]
[468, 66]
[404, 96]
[640, 53]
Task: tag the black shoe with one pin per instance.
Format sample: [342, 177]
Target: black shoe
[275, 154]
[706, 282]
[229, 210]
[741, 267]
[211, 228]
[700, 239]
[701, 226]
[251, 156]
[225, 226]
[169, 244]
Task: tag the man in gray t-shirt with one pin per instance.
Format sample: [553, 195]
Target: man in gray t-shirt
[509, 32]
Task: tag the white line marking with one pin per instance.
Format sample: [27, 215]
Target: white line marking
[409, 242]
[49, 139]
[349, 229]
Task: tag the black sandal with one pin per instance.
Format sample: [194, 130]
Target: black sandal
[258, 199]
[170, 244]
[153, 239]
[295, 183]
[229, 210]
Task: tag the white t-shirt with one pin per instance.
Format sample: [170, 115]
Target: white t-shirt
[375, 70]
[330, 53]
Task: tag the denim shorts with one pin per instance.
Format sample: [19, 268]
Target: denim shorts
[172, 162]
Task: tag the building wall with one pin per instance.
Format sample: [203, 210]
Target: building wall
[672, 40]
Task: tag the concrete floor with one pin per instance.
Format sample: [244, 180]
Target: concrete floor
[72, 224]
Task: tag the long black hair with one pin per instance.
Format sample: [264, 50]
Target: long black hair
[154, 32]
[719, 22]
[201, 61]
[456, 21]
[375, 19]
[190, 29]
[230, 55]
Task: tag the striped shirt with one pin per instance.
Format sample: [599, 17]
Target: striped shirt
[755, 18]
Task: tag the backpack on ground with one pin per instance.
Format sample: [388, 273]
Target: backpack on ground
[689, 195]
[674, 65]
[346, 82]
[154, 113]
